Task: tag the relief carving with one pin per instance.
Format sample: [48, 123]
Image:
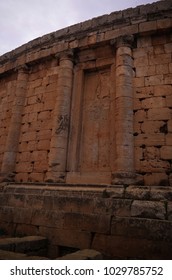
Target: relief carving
[63, 122]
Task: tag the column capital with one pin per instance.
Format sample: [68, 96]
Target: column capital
[22, 68]
[68, 54]
[123, 41]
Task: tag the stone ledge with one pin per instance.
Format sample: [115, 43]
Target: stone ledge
[153, 193]
[29, 244]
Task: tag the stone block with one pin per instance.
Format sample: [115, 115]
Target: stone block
[168, 139]
[22, 215]
[158, 49]
[147, 26]
[137, 104]
[140, 61]
[138, 193]
[88, 222]
[24, 167]
[162, 69]
[144, 92]
[164, 23]
[75, 204]
[155, 166]
[139, 82]
[157, 114]
[44, 134]
[21, 177]
[26, 229]
[142, 71]
[149, 126]
[162, 193]
[70, 238]
[24, 157]
[16, 200]
[167, 79]
[154, 80]
[43, 145]
[140, 52]
[28, 136]
[44, 115]
[153, 102]
[142, 228]
[39, 155]
[144, 41]
[156, 179]
[47, 218]
[36, 177]
[6, 214]
[140, 116]
[120, 247]
[121, 207]
[169, 101]
[30, 244]
[168, 47]
[34, 201]
[162, 90]
[150, 139]
[166, 152]
[151, 153]
[148, 209]
[159, 59]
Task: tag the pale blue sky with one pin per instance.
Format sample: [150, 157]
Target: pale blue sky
[24, 20]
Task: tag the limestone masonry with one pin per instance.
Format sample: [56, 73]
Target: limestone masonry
[89, 108]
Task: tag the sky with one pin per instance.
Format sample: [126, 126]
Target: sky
[24, 20]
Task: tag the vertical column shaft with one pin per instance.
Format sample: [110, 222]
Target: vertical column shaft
[60, 130]
[11, 148]
[124, 162]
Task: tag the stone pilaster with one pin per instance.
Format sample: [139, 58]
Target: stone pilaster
[11, 148]
[124, 161]
[60, 130]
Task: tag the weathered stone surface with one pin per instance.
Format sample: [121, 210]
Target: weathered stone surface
[142, 228]
[148, 209]
[87, 110]
[127, 248]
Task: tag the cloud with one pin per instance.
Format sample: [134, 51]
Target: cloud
[22, 21]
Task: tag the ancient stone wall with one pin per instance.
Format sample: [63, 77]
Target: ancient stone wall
[152, 109]
[91, 103]
[86, 136]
